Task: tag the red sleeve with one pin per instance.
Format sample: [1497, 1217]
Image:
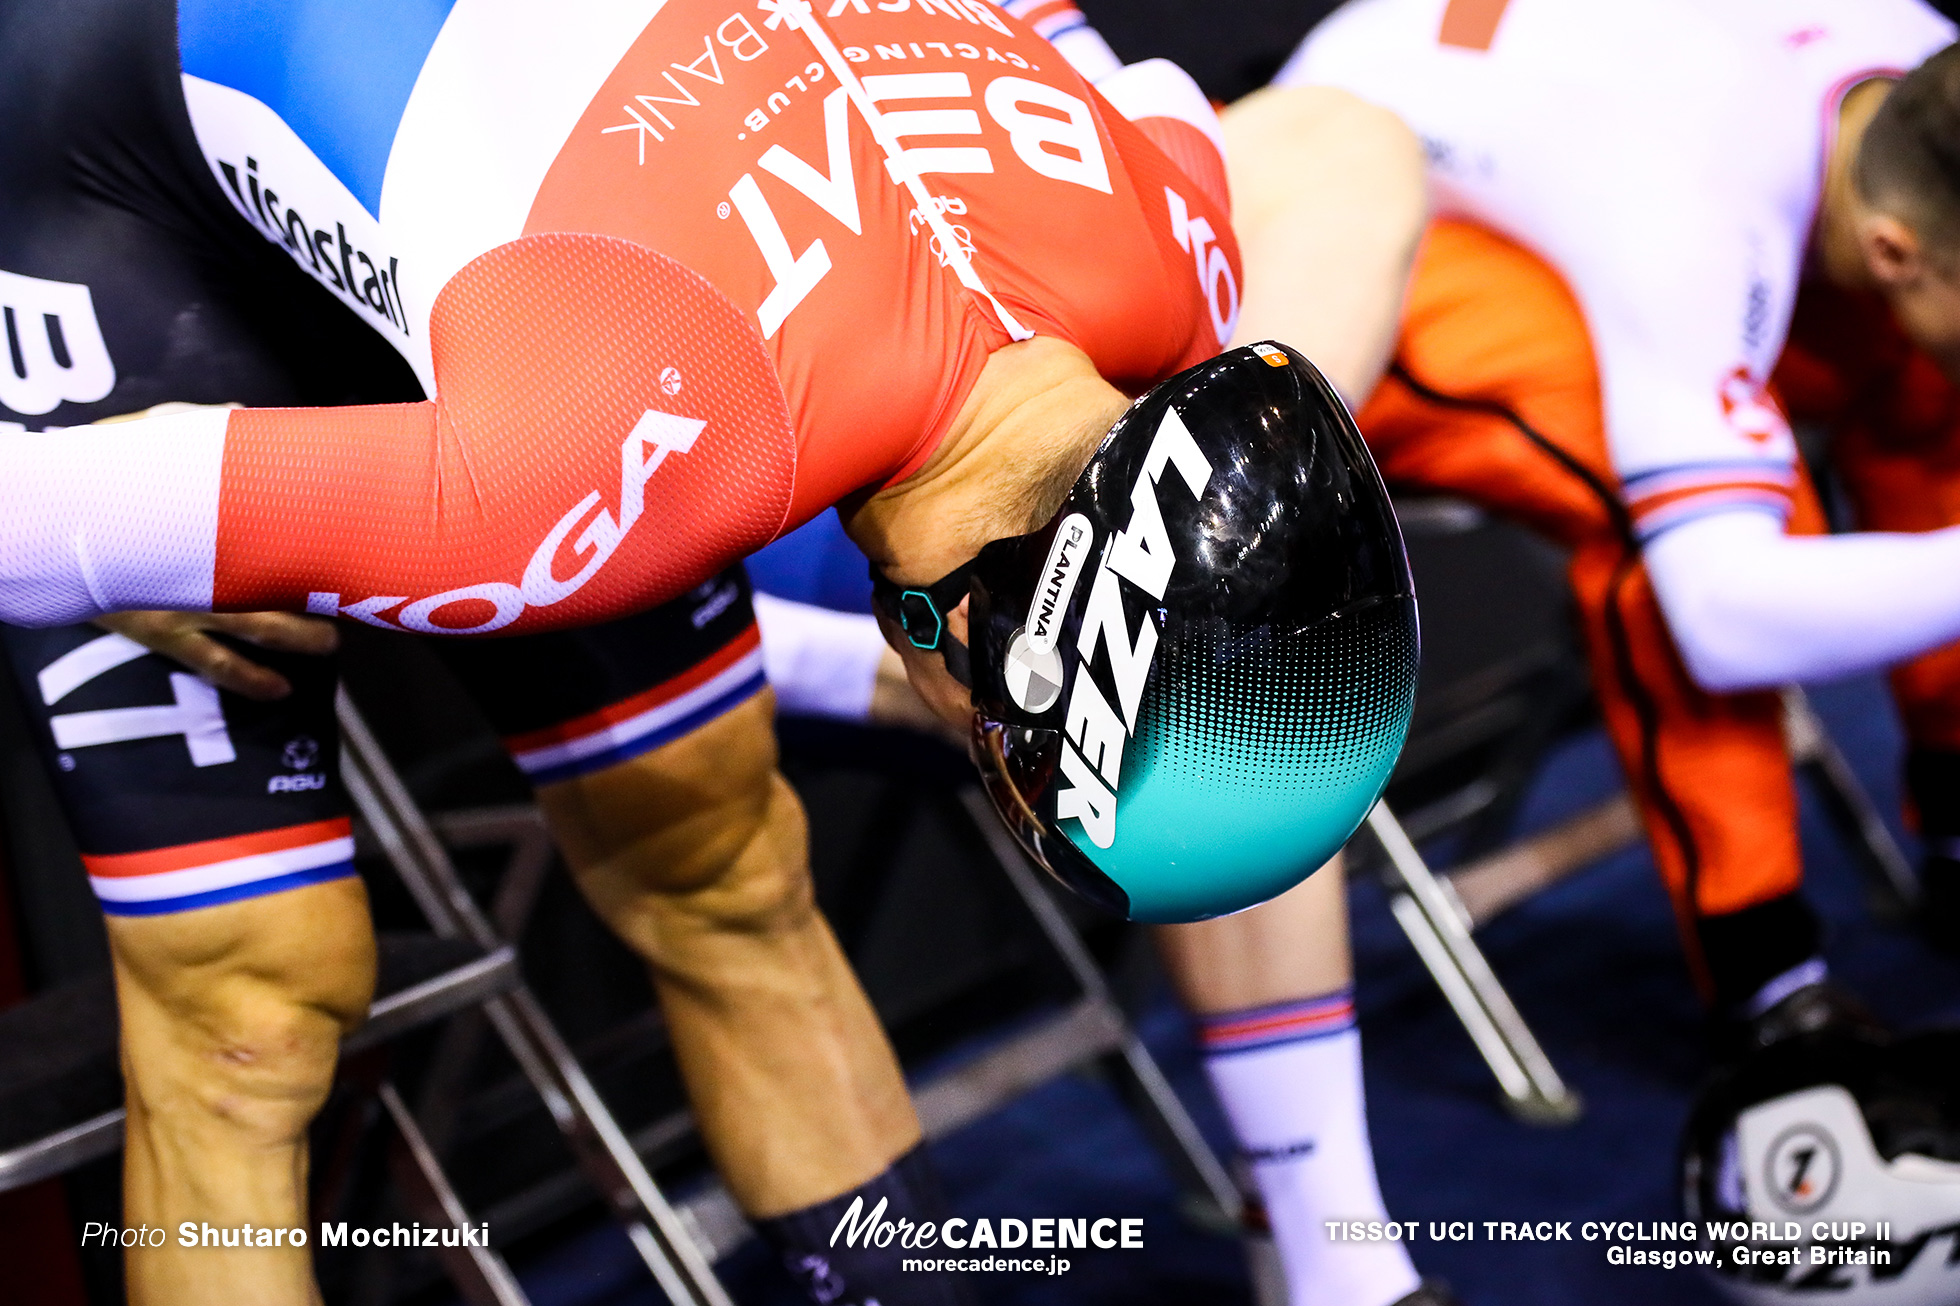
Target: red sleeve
[1168, 107]
[608, 433]
[1198, 250]
[1193, 153]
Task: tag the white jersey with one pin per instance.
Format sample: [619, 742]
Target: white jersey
[1665, 156]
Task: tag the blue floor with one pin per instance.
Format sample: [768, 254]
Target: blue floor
[1595, 967]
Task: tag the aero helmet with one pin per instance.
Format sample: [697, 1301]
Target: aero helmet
[1190, 686]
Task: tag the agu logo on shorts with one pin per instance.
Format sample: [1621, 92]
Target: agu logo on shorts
[300, 753]
[1803, 1168]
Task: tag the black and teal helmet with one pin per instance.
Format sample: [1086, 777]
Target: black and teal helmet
[1190, 686]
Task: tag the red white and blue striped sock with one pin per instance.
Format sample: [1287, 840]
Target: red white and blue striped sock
[1289, 1077]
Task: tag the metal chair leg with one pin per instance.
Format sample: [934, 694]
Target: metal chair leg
[1162, 1114]
[478, 1272]
[522, 828]
[597, 1141]
[1439, 928]
[1888, 872]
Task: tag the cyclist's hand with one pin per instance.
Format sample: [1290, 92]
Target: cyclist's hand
[185, 637]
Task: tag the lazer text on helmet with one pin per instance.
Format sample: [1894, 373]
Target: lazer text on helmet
[1095, 735]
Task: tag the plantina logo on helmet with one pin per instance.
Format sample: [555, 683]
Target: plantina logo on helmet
[1073, 540]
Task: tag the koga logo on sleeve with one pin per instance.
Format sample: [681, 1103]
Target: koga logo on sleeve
[1095, 732]
[645, 447]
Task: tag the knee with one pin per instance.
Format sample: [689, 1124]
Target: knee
[248, 1059]
[240, 1044]
[765, 886]
[1331, 133]
[738, 868]
[269, 1067]
[700, 836]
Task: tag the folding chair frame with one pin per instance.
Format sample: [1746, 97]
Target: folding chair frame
[1439, 925]
[600, 1146]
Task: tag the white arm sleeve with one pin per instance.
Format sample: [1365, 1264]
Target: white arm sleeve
[1750, 607]
[821, 663]
[97, 519]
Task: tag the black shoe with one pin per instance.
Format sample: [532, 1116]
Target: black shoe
[1434, 1292]
[1939, 902]
[1824, 1005]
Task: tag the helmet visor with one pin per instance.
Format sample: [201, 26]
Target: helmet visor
[1019, 766]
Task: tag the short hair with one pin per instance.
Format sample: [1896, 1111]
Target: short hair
[1023, 493]
[1909, 160]
[1036, 492]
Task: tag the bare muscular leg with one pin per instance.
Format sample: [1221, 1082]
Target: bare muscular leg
[696, 855]
[231, 1022]
[1328, 202]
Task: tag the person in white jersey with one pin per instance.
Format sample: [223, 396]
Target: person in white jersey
[1686, 170]
[1689, 173]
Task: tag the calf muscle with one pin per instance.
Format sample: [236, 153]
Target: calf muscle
[696, 855]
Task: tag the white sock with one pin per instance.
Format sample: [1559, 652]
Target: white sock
[1289, 1077]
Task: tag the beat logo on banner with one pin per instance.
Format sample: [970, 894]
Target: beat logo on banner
[1095, 733]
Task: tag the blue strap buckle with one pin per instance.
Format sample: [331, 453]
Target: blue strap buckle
[915, 609]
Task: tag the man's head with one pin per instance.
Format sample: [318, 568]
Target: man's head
[1905, 191]
[1190, 680]
[1032, 421]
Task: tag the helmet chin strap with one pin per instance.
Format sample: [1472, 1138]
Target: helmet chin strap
[921, 611]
